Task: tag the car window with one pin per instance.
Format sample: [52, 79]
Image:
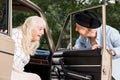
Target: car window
[67, 41]
[3, 15]
[68, 35]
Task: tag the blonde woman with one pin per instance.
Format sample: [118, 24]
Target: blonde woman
[26, 39]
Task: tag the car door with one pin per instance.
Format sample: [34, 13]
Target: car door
[6, 42]
[12, 14]
[80, 64]
[41, 62]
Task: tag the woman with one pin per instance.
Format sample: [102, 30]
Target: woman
[26, 39]
[90, 30]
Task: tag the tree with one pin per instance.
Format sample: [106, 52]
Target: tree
[56, 12]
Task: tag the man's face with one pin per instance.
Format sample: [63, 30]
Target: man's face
[83, 31]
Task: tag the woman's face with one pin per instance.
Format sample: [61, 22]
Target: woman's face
[37, 33]
[84, 32]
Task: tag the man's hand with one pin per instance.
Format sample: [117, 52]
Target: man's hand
[95, 46]
[111, 52]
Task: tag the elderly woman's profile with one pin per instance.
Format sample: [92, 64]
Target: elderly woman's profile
[26, 39]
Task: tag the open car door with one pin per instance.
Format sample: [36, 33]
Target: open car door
[82, 64]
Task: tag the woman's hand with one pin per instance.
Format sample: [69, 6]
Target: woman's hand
[5, 31]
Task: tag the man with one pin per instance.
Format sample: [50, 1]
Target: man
[90, 30]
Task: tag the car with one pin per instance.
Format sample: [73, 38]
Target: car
[50, 62]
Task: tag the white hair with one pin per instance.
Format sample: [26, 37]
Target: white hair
[30, 23]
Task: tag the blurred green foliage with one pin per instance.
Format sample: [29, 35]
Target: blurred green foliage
[56, 12]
